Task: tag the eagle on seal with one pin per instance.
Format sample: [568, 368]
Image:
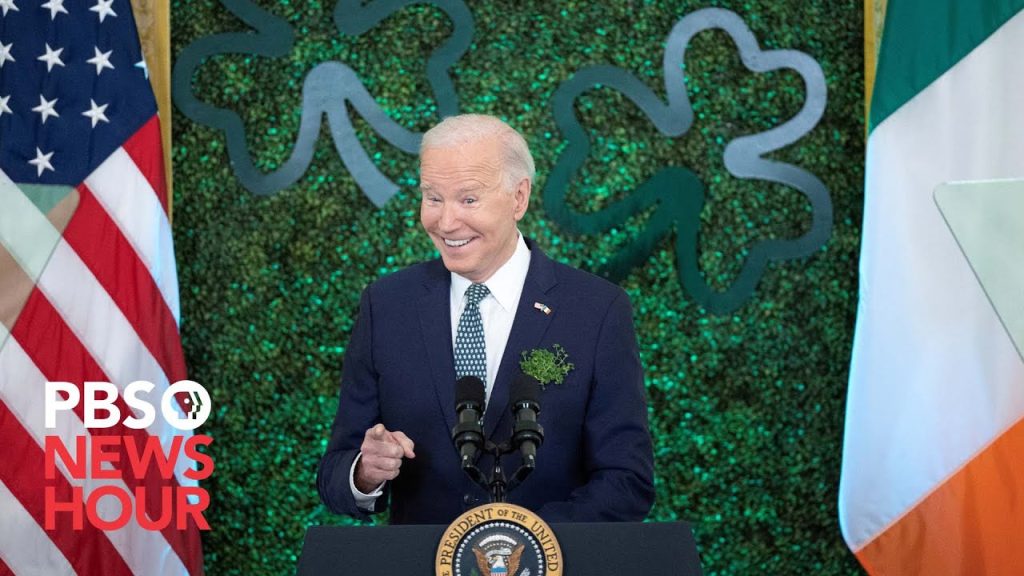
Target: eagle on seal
[500, 566]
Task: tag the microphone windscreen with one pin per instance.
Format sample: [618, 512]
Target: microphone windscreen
[525, 388]
[469, 389]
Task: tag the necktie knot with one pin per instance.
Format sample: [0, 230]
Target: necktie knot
[475, 293]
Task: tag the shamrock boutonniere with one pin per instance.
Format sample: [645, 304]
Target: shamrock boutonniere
[547, 366]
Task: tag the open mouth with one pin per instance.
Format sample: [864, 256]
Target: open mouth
[457, 243]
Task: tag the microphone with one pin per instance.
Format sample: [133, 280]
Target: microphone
[468, 433]
[527, 433]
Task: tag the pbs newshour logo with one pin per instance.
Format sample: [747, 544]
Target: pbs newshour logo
[127, 454]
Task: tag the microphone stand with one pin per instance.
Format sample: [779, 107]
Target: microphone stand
[497, 486]
[527, 435]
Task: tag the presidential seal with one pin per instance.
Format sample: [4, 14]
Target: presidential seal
[498, 540]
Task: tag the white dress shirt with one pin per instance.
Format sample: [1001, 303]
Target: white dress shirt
[497, 309]
[497, 312]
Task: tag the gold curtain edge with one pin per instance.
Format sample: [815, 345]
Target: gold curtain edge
[874, 28]
[163, 96]
[153, 20]
[869, 59]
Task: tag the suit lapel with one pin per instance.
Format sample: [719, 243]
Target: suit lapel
[436, 326]
[528, 329]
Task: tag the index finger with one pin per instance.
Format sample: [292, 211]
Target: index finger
[378, 432]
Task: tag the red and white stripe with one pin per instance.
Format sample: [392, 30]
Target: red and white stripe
[104, 307]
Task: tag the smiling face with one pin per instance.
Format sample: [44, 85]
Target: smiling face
[467, 209]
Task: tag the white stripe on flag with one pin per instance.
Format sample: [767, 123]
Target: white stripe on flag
[131, 202]
[101, 327]
[15, 228]
[34, 256]
[21, 389]
[24, 547]
[934, 378]
[90, 313]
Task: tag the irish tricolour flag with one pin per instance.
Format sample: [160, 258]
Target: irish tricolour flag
[933, 462]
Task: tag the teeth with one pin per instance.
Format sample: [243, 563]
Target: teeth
[456, 243]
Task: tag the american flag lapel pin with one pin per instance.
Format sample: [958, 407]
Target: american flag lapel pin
[542, 308]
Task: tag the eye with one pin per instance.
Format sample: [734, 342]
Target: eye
[470, 200]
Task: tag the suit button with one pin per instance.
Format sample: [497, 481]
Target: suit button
[467, 499]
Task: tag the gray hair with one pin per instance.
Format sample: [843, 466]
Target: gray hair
[466, 128]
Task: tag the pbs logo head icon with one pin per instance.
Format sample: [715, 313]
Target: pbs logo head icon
[192, 408]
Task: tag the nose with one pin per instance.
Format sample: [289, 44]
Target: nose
[448, 220]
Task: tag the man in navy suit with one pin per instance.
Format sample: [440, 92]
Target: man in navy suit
[492, 296]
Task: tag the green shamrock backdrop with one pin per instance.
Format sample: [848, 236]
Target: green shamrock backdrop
[746, 402]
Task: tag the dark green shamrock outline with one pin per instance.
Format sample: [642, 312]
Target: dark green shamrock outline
[325, 90]
[678, 192]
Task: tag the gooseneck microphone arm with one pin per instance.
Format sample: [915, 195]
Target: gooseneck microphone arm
[468, 434]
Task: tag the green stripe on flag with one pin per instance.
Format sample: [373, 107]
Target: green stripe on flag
[922, 39]
[45, 196]
[24, 230]
[25, 233]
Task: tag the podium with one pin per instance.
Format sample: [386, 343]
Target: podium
[591, 549]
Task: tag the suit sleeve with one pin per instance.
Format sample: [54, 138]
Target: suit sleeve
[358, 410]
[617, 448]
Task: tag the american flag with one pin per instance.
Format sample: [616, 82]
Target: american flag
[88, 287]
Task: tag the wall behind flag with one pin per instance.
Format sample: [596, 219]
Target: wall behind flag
[746, 405]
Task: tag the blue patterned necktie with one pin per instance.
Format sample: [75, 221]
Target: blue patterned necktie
[470, 352]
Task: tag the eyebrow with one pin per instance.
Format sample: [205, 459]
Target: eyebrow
[474, 188]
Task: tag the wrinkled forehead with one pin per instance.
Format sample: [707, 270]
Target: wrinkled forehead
[479, 161]
[471, 148]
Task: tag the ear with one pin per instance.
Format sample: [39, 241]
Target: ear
[521, 198]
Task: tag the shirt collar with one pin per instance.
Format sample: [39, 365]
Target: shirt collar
[506, 284]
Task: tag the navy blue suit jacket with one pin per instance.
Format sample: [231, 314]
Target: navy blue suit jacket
[596, 462]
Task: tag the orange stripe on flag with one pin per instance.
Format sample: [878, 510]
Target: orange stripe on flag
[971, 524]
